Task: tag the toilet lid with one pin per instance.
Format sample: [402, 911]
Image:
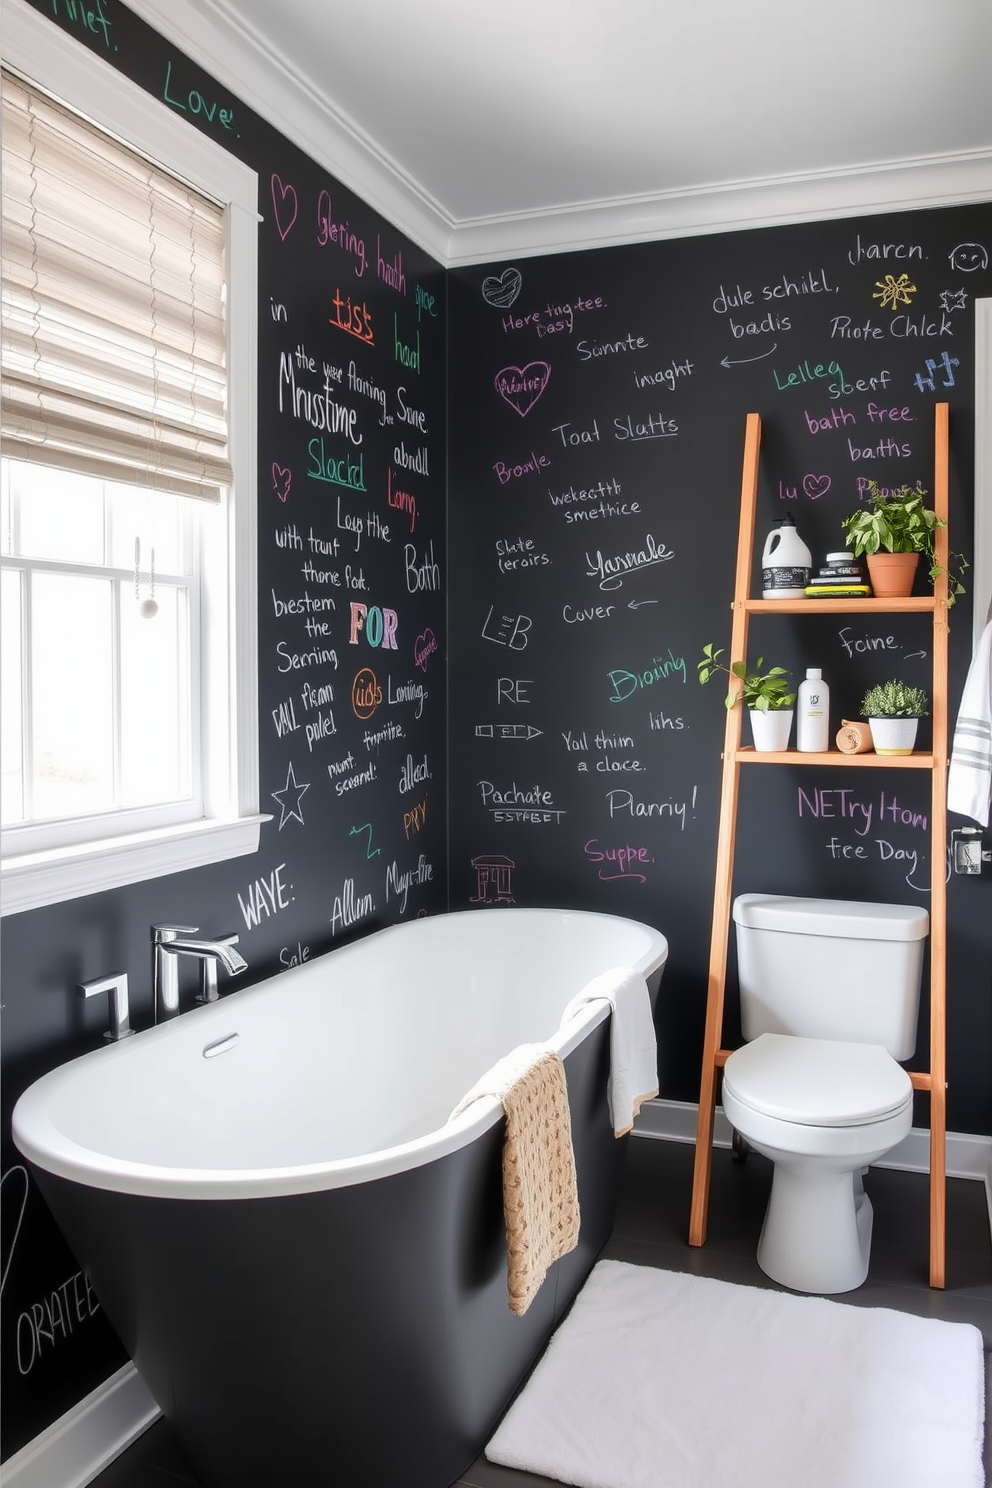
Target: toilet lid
[817, 1082]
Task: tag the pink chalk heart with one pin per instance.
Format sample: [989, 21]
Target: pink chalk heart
[816, 486]
[284, 204]
[503, 290]
[522, 386]
[423, 648]
[282, 479]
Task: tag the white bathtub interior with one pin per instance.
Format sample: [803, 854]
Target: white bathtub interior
[353, 1060]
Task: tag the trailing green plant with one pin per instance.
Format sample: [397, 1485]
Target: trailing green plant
[763, 690]
[897, 521]
[894, 700]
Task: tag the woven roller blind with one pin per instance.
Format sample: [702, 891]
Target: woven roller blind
[114, 331]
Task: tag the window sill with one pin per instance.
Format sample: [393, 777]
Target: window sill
[36, 879]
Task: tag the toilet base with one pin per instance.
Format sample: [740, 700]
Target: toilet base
[816, 1235]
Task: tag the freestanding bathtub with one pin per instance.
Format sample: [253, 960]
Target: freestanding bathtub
[303, 1256]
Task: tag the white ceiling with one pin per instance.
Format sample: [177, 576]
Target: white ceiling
[498, 120]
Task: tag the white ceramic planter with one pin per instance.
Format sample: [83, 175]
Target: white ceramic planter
[770, 729]
[893, 735]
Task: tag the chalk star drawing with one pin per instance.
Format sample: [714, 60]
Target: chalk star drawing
[893, 292]
[365, 827]
[954, 299]
[289, 799]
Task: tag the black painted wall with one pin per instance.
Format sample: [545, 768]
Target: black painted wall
[352, 705]
[597, 425]
[596, 421]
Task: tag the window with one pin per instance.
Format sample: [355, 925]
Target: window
[129, 715]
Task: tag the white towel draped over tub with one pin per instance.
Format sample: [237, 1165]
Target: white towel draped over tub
[540, 1188]
[633, 1046]
[969, 778]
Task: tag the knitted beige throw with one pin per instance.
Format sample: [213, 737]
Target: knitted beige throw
[540, 1191]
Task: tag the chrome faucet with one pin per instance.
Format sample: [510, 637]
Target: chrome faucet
[169, 942]
[115, 985]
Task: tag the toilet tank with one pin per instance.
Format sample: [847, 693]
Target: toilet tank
[831, 969]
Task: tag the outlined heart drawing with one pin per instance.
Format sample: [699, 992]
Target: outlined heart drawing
[423, 648]
[501, 291]
[284, 204]
[816, 486]
[522, 386]
[282, 479]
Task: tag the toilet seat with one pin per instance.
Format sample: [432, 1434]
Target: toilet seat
[816, 1082]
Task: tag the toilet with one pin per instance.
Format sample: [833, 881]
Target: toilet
[829, 993]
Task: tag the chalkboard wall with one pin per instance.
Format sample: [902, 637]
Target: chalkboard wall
[597, 423]
[591, 445]
[352, 706]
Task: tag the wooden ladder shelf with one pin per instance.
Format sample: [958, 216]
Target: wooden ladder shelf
[734, 756]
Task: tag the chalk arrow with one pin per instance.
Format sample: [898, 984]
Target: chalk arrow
[740, 361]
[911, 654]
[507, 731]
[635, 604]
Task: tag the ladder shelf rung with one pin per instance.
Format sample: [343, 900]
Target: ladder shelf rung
[922, 605]
[748, 755]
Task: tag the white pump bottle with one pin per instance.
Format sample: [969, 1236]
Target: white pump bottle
[813, 713]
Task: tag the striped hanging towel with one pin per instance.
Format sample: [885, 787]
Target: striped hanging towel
[969, 779]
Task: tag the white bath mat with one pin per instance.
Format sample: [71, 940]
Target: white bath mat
[662, 1380]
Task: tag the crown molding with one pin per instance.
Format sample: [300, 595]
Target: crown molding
[935, 181]
[212, 33]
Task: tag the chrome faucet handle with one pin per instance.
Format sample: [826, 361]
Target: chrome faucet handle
[163, 934]
[116, 985]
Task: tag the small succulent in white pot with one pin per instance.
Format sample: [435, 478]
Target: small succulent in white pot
[893, 710]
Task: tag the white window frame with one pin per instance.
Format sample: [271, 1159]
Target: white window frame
[229, 828]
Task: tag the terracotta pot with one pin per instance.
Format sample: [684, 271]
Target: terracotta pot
[770, 729]
[893, 735]
[892, 574]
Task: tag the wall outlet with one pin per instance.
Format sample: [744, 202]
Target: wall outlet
[967, 855]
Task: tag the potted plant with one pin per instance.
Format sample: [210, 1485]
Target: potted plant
[891, 531]
[764, 693]
[893, 710]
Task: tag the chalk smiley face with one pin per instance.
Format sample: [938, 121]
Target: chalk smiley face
[967, 257]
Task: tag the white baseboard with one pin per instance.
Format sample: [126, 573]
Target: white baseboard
[968, 1156]
[78, 1446]
[74, 1449]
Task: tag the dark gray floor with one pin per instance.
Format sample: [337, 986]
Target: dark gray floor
[650, 1231]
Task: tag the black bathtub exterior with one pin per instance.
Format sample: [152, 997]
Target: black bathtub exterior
[356, 1336]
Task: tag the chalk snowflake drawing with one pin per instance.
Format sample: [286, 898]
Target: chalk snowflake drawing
[289, 799]
[893, 292]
